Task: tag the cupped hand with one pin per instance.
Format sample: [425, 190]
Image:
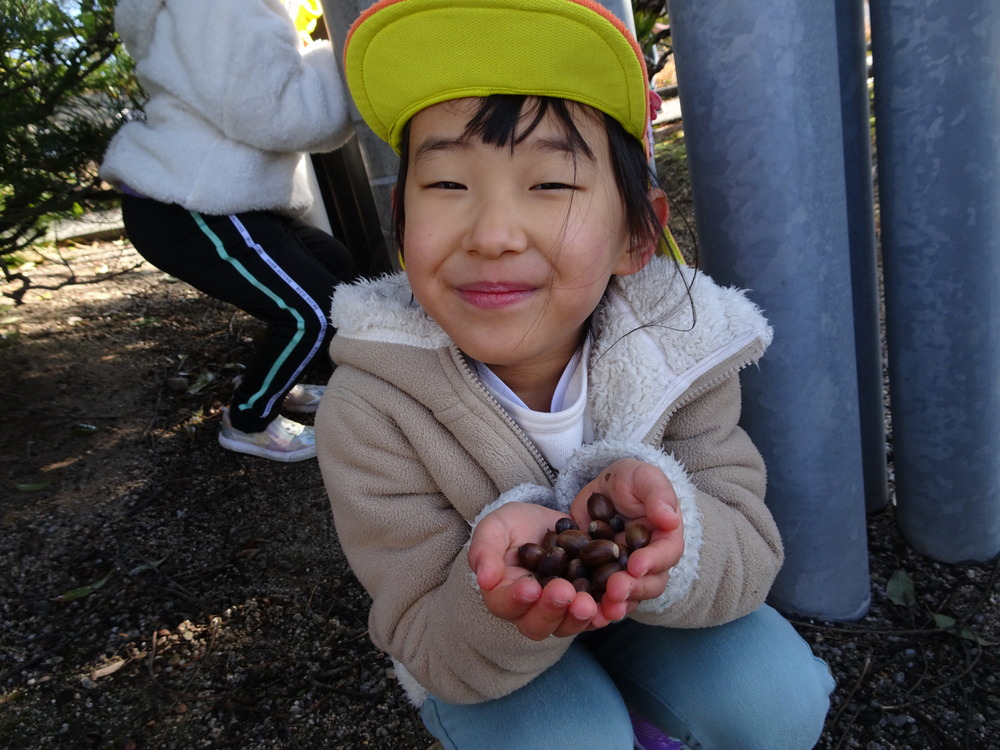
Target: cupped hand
[642, 493]
[510, 591]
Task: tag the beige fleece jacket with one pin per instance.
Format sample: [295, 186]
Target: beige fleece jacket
[413, 450]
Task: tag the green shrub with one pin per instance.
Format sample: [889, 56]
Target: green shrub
[65, 86]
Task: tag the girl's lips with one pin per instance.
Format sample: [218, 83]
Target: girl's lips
[489, 295]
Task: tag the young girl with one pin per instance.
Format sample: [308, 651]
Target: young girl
[537, 350]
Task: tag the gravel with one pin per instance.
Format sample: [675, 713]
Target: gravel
[158, 592]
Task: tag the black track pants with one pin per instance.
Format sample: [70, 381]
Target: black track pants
[279, 270]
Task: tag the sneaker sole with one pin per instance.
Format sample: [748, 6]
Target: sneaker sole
[301, 408]
[238, 446]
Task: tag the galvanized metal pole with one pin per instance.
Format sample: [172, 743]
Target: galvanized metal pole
[368, 170]
[864, 257]
[937, 107]
[760, 95]
[622, 9]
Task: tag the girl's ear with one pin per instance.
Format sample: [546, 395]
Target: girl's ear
[634, 262]
[661, 206]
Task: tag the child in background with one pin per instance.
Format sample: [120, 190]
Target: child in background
[536, 350]
[215, 187]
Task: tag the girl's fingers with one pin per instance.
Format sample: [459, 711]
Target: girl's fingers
[624, 587]
[486, 559]
[646, 578]
[651, 494]
[548, 613]
[580, 616]
[489, 571]
[657, 557]
[638, 490]
[488, 551]
[512, 600]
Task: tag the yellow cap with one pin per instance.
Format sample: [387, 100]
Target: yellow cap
[402, 56]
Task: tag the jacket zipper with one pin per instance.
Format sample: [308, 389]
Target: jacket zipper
[507, 418]
[687, 395]
[691, 393]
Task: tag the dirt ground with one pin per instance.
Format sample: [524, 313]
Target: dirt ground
[156, 590]
[159, 592]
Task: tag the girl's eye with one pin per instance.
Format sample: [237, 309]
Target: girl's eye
[447, 185]
[553, 186]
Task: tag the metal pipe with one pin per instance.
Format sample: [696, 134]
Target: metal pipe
[864, 256]
[937, 108]
[760, 95]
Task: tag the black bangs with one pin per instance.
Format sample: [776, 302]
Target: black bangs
[503, 120]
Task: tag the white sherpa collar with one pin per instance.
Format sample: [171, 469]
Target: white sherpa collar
[383, 309]
[681, 326]
[676, 321]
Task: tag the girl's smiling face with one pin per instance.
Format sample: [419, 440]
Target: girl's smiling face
[510, 249]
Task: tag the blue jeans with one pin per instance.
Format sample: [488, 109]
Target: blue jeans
[752, 683]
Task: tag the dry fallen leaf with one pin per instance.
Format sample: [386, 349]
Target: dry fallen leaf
[108, 669]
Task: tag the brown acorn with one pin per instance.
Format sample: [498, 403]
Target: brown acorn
[576, 569]
[599, 580]
[600, 530]
[599, 552]
[600, 507]
[553, 562]
[530, 554]
[565, 523]
[637, 536]
[573, 540]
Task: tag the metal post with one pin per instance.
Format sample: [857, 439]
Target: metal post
[760, 93]
[622, 9]
[937, 107]
[365, 172]
[861, 235]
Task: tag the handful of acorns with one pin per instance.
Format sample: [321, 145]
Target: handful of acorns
[586, 558]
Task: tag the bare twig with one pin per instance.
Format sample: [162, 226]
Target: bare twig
[343, 691]
[866, 630]
[943, 686]
[847, 699]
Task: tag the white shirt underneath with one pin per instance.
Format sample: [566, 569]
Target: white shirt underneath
[566, 426]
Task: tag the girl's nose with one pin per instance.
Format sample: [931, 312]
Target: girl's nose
[495, 228]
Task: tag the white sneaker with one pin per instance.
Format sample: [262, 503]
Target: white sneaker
[303, 398]
[282, 440]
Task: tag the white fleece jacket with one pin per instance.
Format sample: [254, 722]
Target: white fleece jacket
[235, 101]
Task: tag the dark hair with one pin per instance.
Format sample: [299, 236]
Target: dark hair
[497, 123]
